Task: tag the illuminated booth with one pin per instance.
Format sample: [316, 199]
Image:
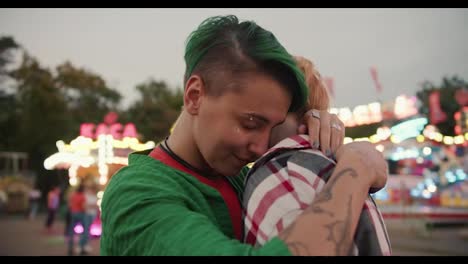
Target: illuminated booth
[414, 148]
[98, 152]
[95, 155]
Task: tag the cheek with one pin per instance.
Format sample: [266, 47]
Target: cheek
[234, 138]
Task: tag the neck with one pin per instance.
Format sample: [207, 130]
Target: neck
[183, 144]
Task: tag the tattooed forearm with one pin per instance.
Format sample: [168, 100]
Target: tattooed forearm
[318, 210]
[298, 249]
[326, 194]
[339, 232]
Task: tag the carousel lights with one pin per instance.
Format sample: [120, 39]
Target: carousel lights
[73, 181]
[432, 188]
[374, 139]
[427, 151]
[102, 180]
[119, 160]
[383, 133]
[426, 194]
[60, 145]
[95, 230]
[409, 129]
[380, 147]
[109, 149]
[420, 138]
[458, 139]
[461, 175]
[450, 177]
[435, 136]
[401, 153]
[147, 145]
[448, 140]
[394, 139]
[67, 158]
[438, 137]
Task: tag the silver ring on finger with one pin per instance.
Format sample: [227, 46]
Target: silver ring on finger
[336, 126]
[315, 113]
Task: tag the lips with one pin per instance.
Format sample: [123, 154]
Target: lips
[244, 161]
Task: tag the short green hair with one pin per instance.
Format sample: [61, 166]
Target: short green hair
[223, 45]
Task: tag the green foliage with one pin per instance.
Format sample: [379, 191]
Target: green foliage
[448, 104]
[157, 109]
[7, 46]
[40, 106]
[40, 112]
[87, 95]
[362, 131]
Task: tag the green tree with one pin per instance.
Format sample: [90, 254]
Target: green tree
[448, 104]
[156, 111]
[8, 115]
[7, 47]
[41, 116]
[362, 130]
[40, 107]
[87, 95]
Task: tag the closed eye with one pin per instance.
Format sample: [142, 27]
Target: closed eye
[251, 121]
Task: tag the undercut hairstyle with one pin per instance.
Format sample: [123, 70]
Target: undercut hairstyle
[224, 51]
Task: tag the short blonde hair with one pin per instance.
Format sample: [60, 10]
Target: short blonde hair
[318, 93]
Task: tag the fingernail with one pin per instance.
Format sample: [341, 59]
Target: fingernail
[315, 145]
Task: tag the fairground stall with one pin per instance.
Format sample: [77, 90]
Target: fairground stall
[96, 154]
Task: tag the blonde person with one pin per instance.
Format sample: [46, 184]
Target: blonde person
[289, 178]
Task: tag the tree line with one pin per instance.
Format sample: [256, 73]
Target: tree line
[40, 105]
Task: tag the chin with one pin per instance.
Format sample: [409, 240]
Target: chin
[230, 172]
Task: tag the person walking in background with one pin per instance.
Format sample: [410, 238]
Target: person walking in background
[34, 198]
[76, 205]
[67, 212]
[53, 202]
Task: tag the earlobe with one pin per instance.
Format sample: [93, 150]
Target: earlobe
[194, 91]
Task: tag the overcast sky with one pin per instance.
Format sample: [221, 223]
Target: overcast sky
[128, 46]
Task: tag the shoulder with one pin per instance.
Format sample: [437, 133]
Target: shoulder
[142, 175]
[313, 160]
[284, 165]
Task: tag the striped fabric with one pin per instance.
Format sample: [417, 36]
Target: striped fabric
[285, 181]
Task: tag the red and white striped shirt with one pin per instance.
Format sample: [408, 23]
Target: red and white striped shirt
[285, 181]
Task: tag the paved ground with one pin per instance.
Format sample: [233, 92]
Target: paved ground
[411, 238]
[21, 237]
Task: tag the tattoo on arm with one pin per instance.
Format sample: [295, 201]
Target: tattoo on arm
[298, 249]
[326, 194]
[338, 231]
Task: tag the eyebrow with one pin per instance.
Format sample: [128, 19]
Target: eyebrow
[261, 118]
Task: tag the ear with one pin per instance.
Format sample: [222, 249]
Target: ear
[193, 94]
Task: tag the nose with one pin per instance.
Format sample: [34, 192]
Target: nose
[258, 144]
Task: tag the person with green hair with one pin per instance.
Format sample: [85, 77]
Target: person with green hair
[183, 197]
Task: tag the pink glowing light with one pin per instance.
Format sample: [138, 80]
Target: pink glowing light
[78, 229]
